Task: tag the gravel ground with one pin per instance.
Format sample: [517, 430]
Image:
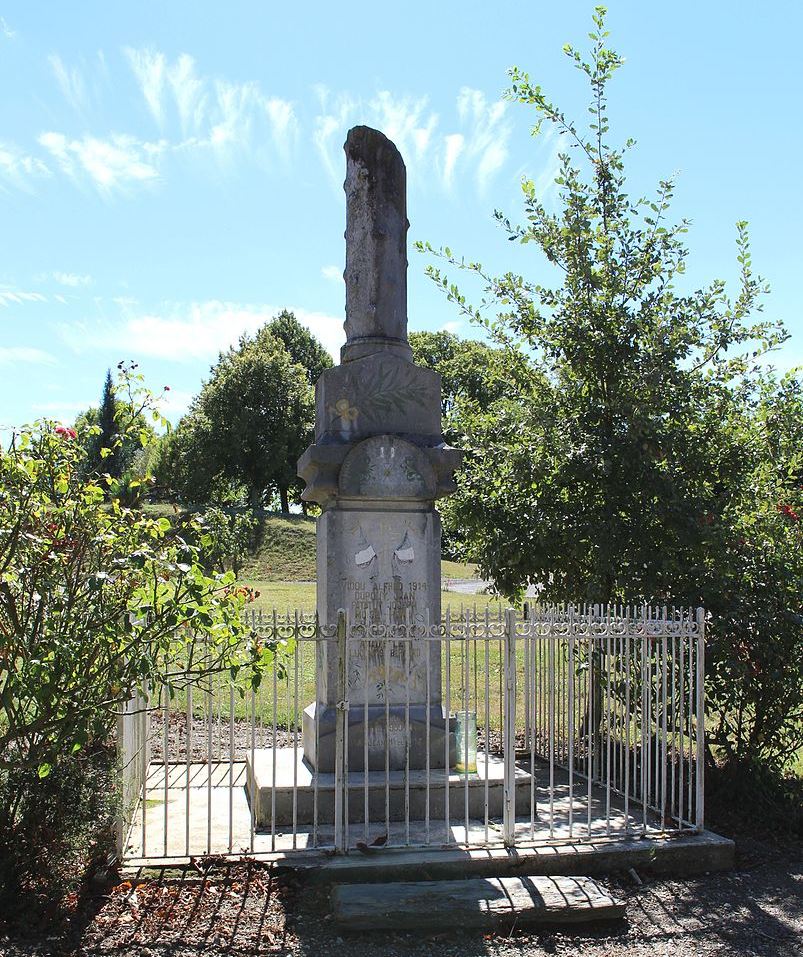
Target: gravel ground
[263, 738]
[244, 909]
[199, 731]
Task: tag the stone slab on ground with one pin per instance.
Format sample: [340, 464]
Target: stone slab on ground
[478, 902]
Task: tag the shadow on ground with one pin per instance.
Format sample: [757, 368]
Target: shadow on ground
[246, 908]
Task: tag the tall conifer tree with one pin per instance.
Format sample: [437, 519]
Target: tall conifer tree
[108, 431]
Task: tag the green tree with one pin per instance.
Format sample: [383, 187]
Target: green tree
[116, 437]
[301, 344]
[228, 537]
[604, 461]
[246, 428]
[108, 430]
[471, 371]
[624, 462]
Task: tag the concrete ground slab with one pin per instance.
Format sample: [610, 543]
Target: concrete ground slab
[477, 902]
[197, 809]
[683, 855]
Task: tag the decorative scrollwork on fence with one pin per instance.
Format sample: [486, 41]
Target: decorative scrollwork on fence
[581, 622]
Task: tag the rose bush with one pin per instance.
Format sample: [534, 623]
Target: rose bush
[96, 600]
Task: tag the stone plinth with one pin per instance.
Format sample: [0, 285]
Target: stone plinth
[379, 553]
[414, 728]
[375, 395]
[292, 771]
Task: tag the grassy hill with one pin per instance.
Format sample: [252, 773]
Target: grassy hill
[284, 549]
[285, 552]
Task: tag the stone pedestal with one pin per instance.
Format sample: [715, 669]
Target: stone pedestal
[284, 781]
[415, 728]
[379, 553]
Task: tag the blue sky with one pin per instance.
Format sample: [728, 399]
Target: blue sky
[171, 173]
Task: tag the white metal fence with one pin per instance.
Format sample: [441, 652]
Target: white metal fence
[587, 723]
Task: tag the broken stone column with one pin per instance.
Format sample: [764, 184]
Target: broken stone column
[378, 464]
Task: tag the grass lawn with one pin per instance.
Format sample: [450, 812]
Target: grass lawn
[291, 596]
[458, 570]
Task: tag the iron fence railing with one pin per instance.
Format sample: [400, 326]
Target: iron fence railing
[575, 723]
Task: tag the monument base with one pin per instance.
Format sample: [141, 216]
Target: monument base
[388, 742]
[284, 790]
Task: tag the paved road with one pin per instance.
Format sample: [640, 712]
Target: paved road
[476, 586]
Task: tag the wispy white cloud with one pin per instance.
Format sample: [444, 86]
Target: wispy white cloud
[111, 164]
[486, 133]
[545, 180]
[103, 66]
[406, 120]
[149, 69]
[16, 297]
[235, 118]
[214, 113]
[71, 82]
[6, 30]
[335, 117]
[72, 279]
[477, 148]
[13, 355]
[19, 169]
[454, 145]
[188, 332]
[283, 125]
[188, 92]
[332, 273]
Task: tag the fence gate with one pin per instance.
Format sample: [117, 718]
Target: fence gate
[558, 723]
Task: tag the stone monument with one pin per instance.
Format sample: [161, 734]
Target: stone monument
[376, 468]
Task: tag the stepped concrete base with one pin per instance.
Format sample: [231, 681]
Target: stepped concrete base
[293, 776]
[478, 902]
[208, 810]
[682, 855]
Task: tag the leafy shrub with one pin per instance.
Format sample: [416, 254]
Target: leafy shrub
[227, 537]
[64, 830]
[753, 588]
[96, 601]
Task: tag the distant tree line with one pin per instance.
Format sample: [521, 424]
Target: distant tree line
[239, 442]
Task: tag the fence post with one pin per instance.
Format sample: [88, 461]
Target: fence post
[700, 708]
[509, 731]
[123, 757]
[341, 719]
